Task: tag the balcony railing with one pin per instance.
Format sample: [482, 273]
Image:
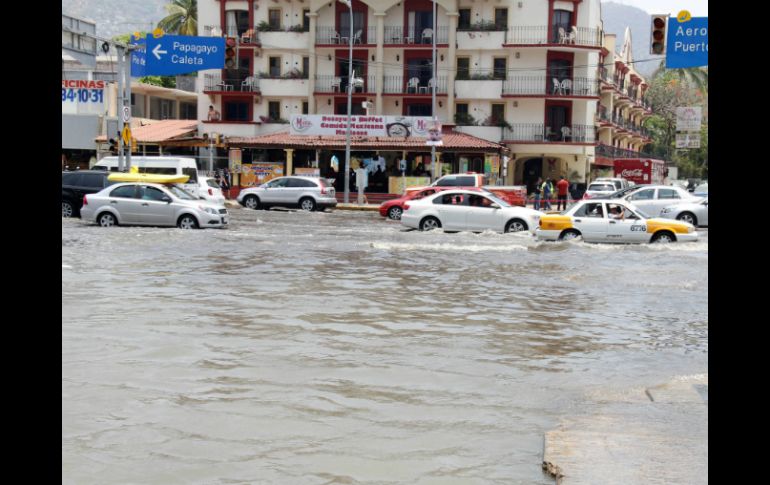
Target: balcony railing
[540, 86]
[533, 35]
[609, 151]
[339, 84]
[401, 85]
[537, 132]
[481, 75]
[215, 82]
[333, 35]
[399, 35]
[483, 26]
[244, 36]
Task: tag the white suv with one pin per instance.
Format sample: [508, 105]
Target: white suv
[307, 193]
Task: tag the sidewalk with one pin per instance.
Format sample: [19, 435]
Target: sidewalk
[657, 435]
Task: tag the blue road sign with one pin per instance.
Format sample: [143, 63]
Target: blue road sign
[138, 57]
[181, 54]
[688, 43]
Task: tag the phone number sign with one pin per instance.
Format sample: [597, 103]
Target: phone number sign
[82, 96]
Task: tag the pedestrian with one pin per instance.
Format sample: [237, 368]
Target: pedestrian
[213, 114]
[538, 192]
[562, 187]
[547, 194]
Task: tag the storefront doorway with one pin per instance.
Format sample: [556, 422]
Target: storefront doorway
[533, 169]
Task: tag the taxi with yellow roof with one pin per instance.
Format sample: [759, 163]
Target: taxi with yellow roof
[612, 221]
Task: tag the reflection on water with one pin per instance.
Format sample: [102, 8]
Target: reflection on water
[338, 348]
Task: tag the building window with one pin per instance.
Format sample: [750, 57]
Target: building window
[419, 109]
[501, 18]
[500, 68]
[274, 18]
[355, 109]
[462, 118]
[305, 108]
[275, 67]
[305, 20]
[235, 111]
[464, 22]
[463, 68]
[237, 22]
[562, 19]
[188, 111]
[305, 67]
[498, 113]
[274, 110]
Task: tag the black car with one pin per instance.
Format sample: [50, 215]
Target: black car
[74, 185]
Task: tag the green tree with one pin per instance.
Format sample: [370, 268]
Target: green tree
[182, 18]
[698, 77]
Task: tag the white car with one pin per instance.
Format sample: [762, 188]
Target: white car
[612, 221]
[652, 199]
[307, 193]
[600, 189]
[465, 210]
[209, 190]
[696, 213]
[146, 204]
[619, 183]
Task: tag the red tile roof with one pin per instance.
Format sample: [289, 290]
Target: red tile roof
[160, 131]
[452, 141]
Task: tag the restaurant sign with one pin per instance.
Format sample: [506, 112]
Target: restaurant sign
[360, 125]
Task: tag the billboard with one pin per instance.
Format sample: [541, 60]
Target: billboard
[360, 125]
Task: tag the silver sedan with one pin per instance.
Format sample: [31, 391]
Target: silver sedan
[146, 204]
[696, 213]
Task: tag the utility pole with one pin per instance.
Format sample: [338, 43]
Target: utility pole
[119, 107]
[127, 102]
[435, 82]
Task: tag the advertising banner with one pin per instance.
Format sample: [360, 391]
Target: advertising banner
[330, 125]
[255, 174]
[82, 97]
[308, 172]
[688, 118]
[398, 185]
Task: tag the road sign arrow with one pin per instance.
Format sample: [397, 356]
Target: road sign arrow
[158, 52]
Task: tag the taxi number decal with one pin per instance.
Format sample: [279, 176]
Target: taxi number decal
[639, 228]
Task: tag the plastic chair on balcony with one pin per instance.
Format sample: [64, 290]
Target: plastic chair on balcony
[572, 36]
[334, 38]
[427, 34]
[357, 37]
[566, 86]
[413, 83]
[216, 32]
[562, 36]
[248, 84]
[566, 133]
[556, 86]
[336, 83]
[549, 134]
[247, 37]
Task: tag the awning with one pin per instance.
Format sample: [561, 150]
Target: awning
[160, 131]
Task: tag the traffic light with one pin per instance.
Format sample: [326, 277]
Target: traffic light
[113, 146]
[231, 61]
[658, 34]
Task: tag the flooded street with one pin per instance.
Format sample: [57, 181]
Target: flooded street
[320, 348]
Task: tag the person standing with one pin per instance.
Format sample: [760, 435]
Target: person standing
[562, 188]
[547, 194]
[538, 192]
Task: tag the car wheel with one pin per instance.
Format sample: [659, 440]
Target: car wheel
[187, 222]
[663, 237]
[251, 202]
[569, 234]
[106, 219]
[67, 209]
[516, 225]
[688, 217]
[395, 213]
[307, 204]
[430, 223]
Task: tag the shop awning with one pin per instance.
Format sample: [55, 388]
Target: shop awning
[459, 142]
[160, 131]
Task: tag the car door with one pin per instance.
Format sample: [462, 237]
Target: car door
[481, 216]
[275, 191]
[628, 229]
[451, 209]
[591, 221]
[664, 198]
[123, 200]
[644, 200]
[153, 209]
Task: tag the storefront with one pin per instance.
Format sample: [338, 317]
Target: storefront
[316, 145]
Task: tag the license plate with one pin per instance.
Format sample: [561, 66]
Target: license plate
[224, 220]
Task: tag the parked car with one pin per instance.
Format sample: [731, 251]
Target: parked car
[612, 221]
[209, 189]
[599, 189]
[467, 210]
[618, 182]
[512, 194]
[702, 190]
[146, 204]
[307, 193]
[74, 185]
[653, 198]
[395, 207]
[620, 193]
[696, 213]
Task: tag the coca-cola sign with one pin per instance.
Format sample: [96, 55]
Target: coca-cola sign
[627, 173]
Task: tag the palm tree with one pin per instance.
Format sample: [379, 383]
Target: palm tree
[182, 18]
[697, 77]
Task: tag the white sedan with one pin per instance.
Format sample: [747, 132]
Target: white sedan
[465, 210]
[696, 213]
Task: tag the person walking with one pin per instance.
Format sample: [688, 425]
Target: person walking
[562, 187]
[538, 192]
[547, 194]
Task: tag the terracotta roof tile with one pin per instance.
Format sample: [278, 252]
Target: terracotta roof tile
[160, 131]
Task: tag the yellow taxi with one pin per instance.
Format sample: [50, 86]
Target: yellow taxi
[612, 221]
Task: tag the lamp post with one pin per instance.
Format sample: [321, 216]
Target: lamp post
[349, 4]
[433, 100]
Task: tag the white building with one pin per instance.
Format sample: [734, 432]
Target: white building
[523, 73]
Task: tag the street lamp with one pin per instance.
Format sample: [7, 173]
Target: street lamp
[349, 4]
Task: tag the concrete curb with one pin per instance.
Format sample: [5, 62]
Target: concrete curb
[231, 204]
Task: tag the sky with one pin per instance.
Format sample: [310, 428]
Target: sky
[697, 8]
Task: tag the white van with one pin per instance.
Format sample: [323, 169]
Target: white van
[619, 183]
[158, 165]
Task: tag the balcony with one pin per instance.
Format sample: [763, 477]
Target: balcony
[215, 83]
[334, 36]
[338, 85]
[538, 133]
[489, 133]
[243, 36]
[479, 84]
[290, 39]
[400, 85]
[540, 86]
[404, 37]
[608, 151]
[480, 40]
[284, 87]
[551, 36]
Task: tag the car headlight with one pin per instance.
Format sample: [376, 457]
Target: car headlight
[208, 210]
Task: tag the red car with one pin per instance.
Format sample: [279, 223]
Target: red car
[395, 207]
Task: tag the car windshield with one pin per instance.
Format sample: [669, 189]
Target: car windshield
[212, 184]
[180, 193]
[601, 187]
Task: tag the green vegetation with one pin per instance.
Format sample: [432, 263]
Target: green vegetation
[182, 18]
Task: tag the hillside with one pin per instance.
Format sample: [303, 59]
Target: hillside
[114, 17]
[616, 18]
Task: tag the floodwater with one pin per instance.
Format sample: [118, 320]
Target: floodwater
[335, 348]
